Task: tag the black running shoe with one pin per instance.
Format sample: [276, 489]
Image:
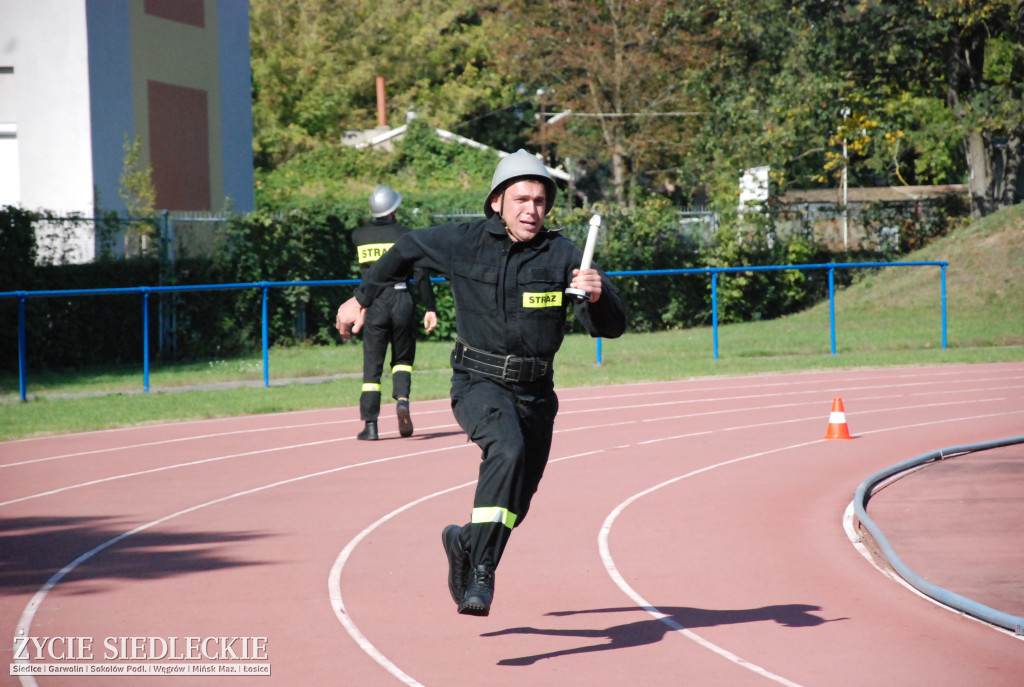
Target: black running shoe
[458, 562]
[479, 593]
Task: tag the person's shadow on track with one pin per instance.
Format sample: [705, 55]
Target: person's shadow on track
[654, 630]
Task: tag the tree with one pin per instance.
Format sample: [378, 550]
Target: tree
[922, 91]
[985, 77]
[620, 67]
[666, 96]
[315, 64]
[139, 197]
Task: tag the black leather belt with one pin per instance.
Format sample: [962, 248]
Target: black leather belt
[508, 368]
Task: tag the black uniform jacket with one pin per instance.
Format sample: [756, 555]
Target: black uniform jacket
[509, 296]
[374, 239]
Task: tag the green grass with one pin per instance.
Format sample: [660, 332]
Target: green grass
[889, 318]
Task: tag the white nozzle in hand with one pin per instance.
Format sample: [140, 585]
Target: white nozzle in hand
[588, 250]
[588, 256]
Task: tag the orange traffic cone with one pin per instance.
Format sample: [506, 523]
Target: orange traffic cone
[837, 428]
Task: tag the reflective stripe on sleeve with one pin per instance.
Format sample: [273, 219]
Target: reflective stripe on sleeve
[494, 514]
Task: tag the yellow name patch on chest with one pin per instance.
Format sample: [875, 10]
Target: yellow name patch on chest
[371, 252]
[551, 299]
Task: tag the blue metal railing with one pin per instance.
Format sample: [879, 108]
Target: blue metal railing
[830, 266]
[145, 291]
[265, 287]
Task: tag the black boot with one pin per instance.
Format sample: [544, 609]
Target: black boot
[369, 432]
[404, 420]
[479, 593]
[458, 562]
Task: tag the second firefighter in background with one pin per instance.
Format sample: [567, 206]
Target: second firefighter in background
[391, 320]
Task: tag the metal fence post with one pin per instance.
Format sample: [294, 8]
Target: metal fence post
[145, 340]
[714, 311]
[832, 306]
[22, 353]
[943, 277]
[266, 339]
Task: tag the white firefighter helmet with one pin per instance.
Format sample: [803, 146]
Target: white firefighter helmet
[517, 166]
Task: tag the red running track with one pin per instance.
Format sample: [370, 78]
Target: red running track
[687, 532]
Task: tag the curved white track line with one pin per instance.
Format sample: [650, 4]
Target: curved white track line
[25, 621]
[163, 468]
[334, 579]
[620, 581]
[175, 466]
[28, 614]
[674, 417]
[162, 442]
[338, 603]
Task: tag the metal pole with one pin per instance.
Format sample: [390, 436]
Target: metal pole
[22, 353]
[832, 305]
[846, 113]
[266, 341]
[145, 341]
[714, 311]
[943, 270]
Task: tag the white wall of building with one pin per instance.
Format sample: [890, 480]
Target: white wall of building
[69, 99]
[45, 42]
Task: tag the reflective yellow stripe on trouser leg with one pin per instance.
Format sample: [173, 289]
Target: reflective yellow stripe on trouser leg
[371, 387]
[401, 368]
[494, 514]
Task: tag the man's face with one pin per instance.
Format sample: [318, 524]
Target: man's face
[525, 203]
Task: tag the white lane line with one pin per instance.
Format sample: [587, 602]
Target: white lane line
[627, 589]
[23, 628]
[334, 578]
[175, 466]
[195, 437]
[164, 468]
[620, 581]
[29, 612]
[338, 602]
[846, 386]
[689, 386]
[164, 442]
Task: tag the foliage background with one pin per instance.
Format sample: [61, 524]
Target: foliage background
[661, 96]
[900, 92]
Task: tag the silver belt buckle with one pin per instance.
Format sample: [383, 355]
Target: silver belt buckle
[504, 370]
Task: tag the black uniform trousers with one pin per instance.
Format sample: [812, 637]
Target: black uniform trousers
[512, 424]
[389, 321]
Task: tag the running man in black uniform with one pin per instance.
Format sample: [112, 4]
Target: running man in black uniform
[508, 275]
[392, 318]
